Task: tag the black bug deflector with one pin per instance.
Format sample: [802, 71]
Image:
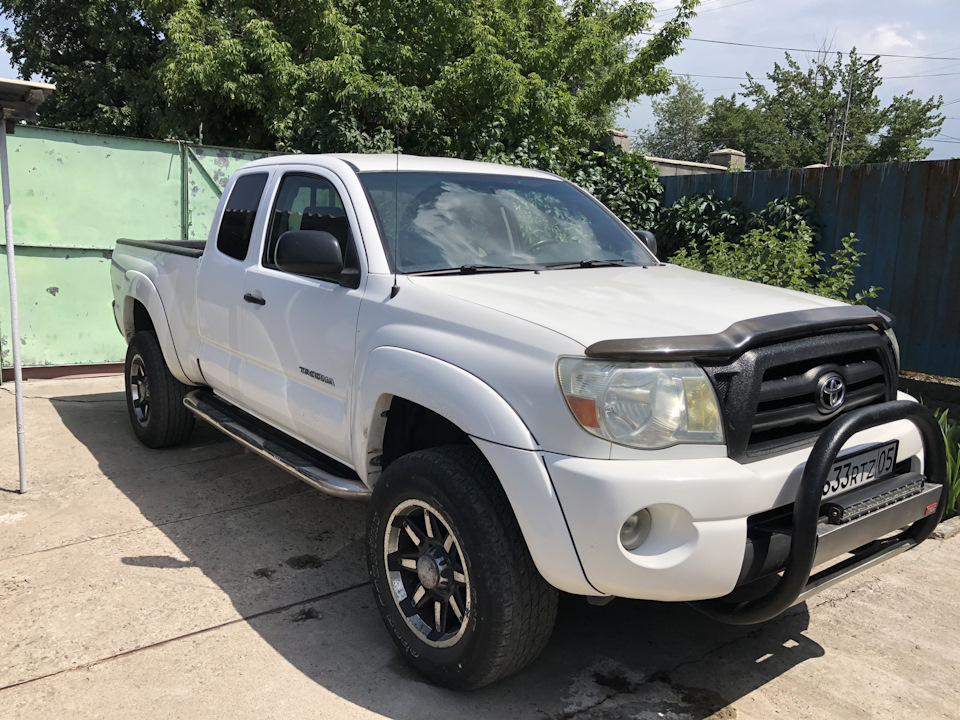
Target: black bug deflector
[796, 584]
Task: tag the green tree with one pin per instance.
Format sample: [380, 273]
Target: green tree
[677, 132]
[439, 76]
[102, 55]
[434, 76]
[789, 124]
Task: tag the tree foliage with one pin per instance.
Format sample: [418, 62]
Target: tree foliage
[102, 55]
[789, 124]
[678, 129]
[433, 76]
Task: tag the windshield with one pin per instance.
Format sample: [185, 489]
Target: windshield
[469, 221]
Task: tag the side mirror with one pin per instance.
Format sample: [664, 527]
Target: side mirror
[313, 253]
[648, 239]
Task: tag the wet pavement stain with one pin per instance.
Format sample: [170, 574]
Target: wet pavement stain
[304, 562]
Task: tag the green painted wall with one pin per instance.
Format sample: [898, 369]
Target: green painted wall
[73, 194]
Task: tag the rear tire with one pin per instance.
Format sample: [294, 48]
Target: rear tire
[154, 396]
[451, 572]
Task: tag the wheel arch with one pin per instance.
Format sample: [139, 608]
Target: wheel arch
[143, 310]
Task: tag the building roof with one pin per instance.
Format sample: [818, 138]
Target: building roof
[20, 98]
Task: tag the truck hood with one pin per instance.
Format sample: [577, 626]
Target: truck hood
[589, 305]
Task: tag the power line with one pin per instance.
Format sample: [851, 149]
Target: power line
[808, 50]
[724, 7]
[720, 77]
[667, 10]
[902, 77]
[744, 77]
[945, 50]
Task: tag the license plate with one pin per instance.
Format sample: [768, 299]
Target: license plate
[859, 469]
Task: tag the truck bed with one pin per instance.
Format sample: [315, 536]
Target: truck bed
[190, 248]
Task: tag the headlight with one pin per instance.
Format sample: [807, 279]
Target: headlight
[896, 346]
[641, 405]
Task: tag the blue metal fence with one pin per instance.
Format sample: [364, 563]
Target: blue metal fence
[907, 216]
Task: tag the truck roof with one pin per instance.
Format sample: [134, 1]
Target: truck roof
[405, 163]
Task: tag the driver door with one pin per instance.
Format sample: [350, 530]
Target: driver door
[299, 333]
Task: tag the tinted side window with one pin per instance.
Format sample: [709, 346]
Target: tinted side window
[308, 202]
[239, 215]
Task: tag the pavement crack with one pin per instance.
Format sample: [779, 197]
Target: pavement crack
[667, 675]
[12, 393]
[175, 521]
[195, 633]
[198, 462]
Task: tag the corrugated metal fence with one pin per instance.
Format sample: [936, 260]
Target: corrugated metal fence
[907, 216]
[73, 194]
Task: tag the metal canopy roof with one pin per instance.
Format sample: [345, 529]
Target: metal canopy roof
[20, 98]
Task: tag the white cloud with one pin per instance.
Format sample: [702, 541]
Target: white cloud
[887, 38]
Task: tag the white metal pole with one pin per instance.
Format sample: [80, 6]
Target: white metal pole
[14, 313]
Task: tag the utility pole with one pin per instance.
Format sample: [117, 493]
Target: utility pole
[846, 112]
[833, 129]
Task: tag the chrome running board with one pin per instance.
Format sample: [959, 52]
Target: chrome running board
[276, 447]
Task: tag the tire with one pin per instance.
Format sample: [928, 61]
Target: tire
[463, 602]
[154, 396]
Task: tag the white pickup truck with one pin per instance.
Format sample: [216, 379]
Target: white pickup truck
[529, 399]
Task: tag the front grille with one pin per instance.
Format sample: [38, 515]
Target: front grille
[768, 394]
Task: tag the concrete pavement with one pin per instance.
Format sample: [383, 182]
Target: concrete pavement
[203, 582]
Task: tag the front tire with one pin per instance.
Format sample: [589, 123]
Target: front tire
[451, 573]
[154, 396]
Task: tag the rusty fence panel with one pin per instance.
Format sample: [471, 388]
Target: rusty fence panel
[907, 216]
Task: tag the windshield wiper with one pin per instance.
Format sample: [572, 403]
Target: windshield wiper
[474, 269]
[590, 264]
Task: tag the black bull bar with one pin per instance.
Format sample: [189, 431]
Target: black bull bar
[796, 584]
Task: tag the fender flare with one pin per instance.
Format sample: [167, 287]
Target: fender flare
[141, 289]
[450, 391]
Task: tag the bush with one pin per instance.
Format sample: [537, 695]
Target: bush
[951, 436]
[696, 219]
[783, 257]
[700, 217]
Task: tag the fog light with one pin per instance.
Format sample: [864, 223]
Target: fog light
[635, 530]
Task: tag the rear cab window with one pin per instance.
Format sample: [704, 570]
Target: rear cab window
[236, 225]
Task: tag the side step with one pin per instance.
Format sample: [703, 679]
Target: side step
[296, 458]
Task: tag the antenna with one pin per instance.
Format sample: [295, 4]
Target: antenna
[396, 213]
[396, 187]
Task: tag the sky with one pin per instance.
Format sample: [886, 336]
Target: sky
[898, 27]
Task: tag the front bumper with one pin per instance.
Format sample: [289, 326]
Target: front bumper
[700, 508]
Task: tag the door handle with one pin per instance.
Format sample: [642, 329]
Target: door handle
[254, 299]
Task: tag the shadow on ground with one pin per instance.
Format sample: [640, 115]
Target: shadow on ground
[290, 560]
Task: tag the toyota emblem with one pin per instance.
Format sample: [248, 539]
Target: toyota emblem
[831, 391]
